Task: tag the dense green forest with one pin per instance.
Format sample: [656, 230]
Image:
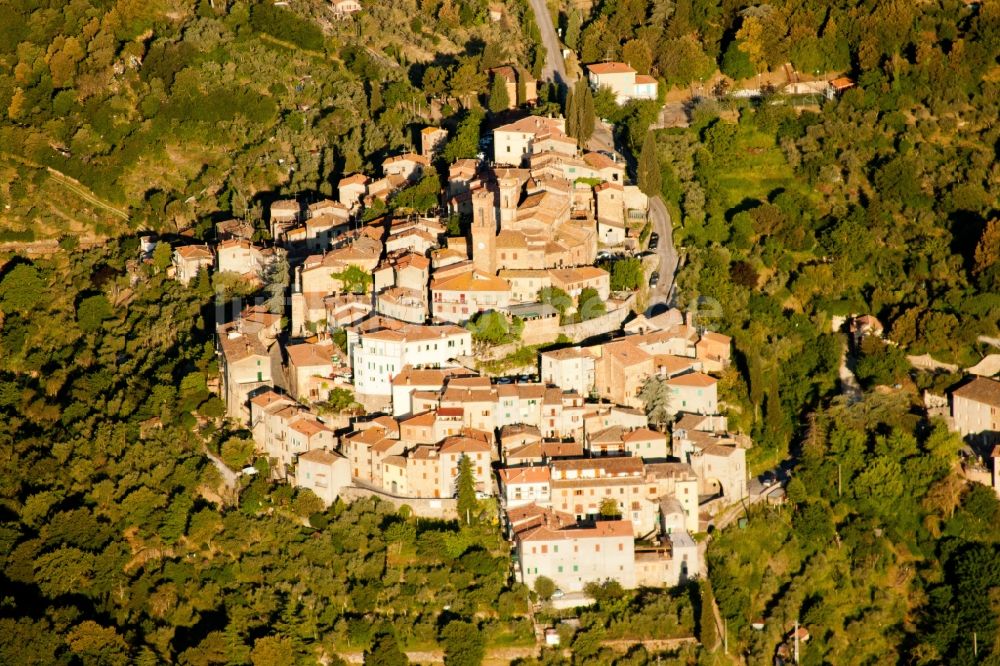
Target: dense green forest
[172, 112]
[791, 212]
[119, 541]
[885, 553]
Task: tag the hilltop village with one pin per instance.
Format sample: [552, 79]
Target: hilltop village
[612, 448]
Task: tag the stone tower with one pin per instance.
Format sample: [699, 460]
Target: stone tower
[510, 194]
[484, 232]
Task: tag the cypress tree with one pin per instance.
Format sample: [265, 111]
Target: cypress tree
[587, 116]
[573, 23]
[468, 505]
[650, 179]
[499, 99]
[571, 114]
[580, 116]
[708, 633]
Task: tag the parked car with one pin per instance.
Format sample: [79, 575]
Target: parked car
[654, 279]
[653, 243]
[558, 594]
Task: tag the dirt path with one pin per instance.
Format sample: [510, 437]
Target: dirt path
[494, 656]
[71, 184]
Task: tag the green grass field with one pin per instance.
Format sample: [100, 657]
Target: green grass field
[758, 170]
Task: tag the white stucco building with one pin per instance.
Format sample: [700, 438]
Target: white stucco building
[379, 356]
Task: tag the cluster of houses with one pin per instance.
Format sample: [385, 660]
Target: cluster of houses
[588, 488]
[577, 467]
[971, 408]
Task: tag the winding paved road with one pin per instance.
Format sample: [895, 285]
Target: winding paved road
[554, 69]
[658, 215]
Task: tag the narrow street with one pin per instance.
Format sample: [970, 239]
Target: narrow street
[554, 69]
[662, 293]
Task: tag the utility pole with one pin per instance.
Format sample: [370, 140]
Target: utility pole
[839, 481]
[725, 636]
[975, 645]
[796, 641]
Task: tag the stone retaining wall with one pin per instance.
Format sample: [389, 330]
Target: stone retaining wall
[424, 507]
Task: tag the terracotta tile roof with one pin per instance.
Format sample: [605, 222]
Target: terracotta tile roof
[473, 280]
[568, 353]
[410, 376]
[530, 391]
[515, 475]
[711, 336]
[190, 252]
[406, 157]
[578, 274]
[624, 466]
[308, 425]
[626, 353]
[599, 161]
[672, 470]
[241, 243]
[415, 332]
[355, 179]
[608, 435]
[464, 445]
[609, 68]
[539, 450]
[692, 422]
[720, 450]
[367, 437]
[601, 530]
[532, 125]
[268, 398]
[394, 461]
[322, 457]
[507, 72]
[531, 515]
[469, 381]
[423, 419]
[693, 379]
[520, 429]
[308, 355]
[982, 390]
[238, 346]
[385, 421]
[643, 435]
[673, 365]
[644, 78]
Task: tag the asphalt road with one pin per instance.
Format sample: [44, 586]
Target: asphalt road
[554, 69]
[662, 294]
